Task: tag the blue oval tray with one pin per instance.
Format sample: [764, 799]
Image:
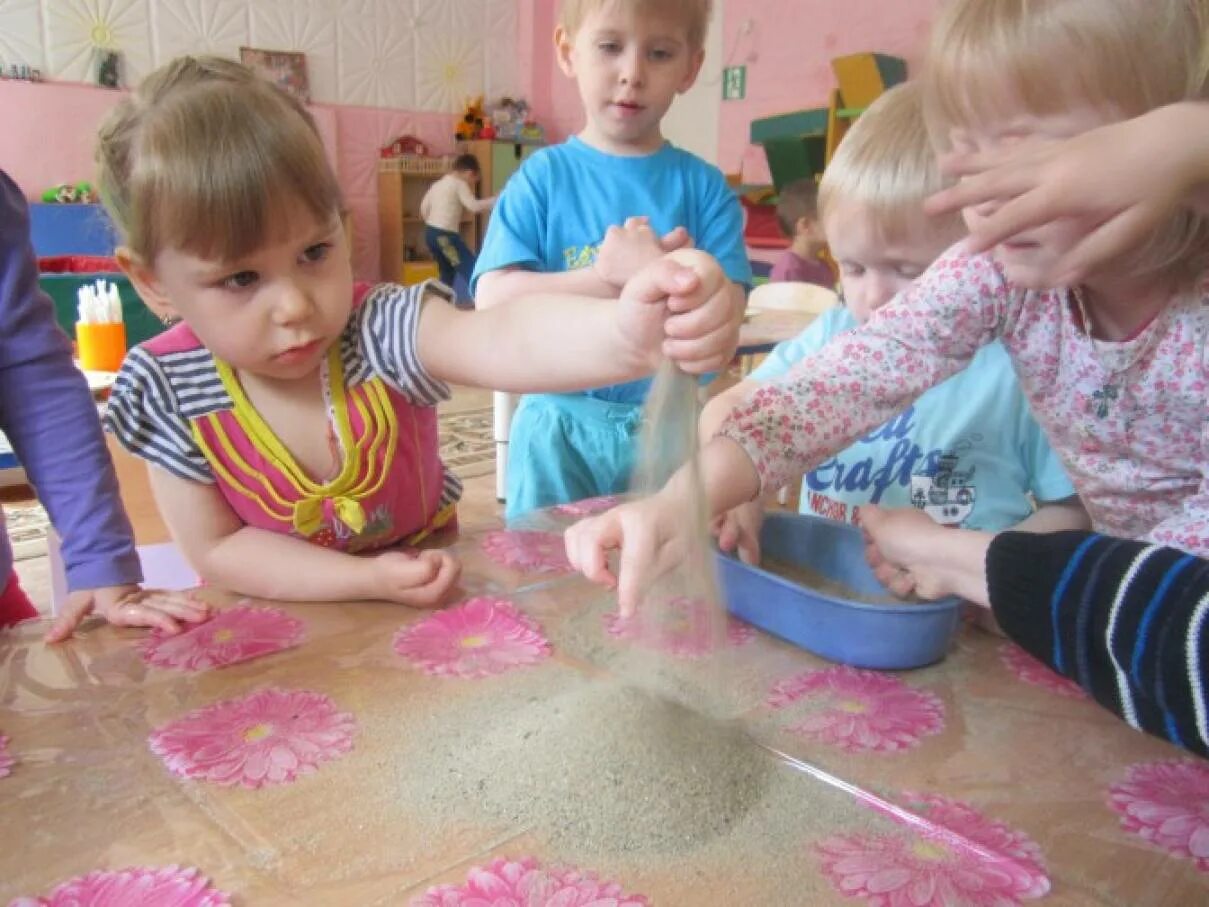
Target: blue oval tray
[852, 632]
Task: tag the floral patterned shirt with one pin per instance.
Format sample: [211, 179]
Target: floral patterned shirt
[1128, 419]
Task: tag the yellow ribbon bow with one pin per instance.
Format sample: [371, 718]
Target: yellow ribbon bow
[308, 514]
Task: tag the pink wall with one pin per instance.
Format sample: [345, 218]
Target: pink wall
[553, 96]
[50, 129]
[793, 42]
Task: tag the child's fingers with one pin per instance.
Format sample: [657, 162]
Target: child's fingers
[140, 614]
[1106, 241]
[587, 551]
[67, 622]
[984, 181]
[749, 549]
[728, 535]
[674, 239]
[637, 560]
[179, 606]
[703, 353]
[662, 279]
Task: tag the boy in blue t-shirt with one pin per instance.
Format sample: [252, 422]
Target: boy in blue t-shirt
[968, 452]
[583, 216]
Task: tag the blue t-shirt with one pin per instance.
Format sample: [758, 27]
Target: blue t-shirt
[554, 211]
[966, 452]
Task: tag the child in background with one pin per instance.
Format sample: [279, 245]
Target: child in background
[442, 208]
[585, 215]
[798, 215]
[291, 422]
[49, 415]
[1115, 368]
[968, 452]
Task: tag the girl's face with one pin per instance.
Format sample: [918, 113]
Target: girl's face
[873, 271]
[274, 312]
[1028, 254]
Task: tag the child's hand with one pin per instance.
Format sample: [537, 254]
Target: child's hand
[421, 580]
[628, 249]
[901, 545]
[1110, 187]
[739, 530]
[703, 325]
[130, 606]
[652, 534]
[682, 307]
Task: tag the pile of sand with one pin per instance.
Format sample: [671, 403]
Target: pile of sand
[599, 768]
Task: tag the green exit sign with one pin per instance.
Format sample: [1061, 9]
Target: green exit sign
[734, 83]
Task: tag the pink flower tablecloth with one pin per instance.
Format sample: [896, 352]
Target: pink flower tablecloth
[275, 758]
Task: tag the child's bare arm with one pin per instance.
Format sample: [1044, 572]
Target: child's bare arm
[682, 308]
[263, 564]
[498, 287]
[1056, 516]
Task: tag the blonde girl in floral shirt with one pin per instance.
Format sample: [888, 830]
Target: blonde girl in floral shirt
[1114, 367]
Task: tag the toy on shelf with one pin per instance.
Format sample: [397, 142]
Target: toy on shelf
[508, 116]
[404, 145]
[471, 124]
[67, 194]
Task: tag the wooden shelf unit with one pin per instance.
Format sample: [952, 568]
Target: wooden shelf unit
[402, 183]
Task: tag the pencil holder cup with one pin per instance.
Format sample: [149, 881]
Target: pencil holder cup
[102, 347]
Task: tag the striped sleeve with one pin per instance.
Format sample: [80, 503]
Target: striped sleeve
[144, 414]
[384, 333]
[1125, 620]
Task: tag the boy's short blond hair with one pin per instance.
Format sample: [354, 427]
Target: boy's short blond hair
[693, 13]
[886, 165]
[208, 157]
[1125, 57]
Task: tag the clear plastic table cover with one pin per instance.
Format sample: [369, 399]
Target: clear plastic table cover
[310, 772]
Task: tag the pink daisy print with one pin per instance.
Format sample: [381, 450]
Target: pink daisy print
[902, 870]
[587, 506]
[478, 638]
[525, 883]
[137, 886]
[1029, 670]
[6, 758]
[272, 736]
[994, 837]
[230, 636]
[860, 711]
[682, 627]
[1167, 803]
[527, 550]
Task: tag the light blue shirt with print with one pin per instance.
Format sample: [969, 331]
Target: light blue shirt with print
[967, 452]
[554, 211]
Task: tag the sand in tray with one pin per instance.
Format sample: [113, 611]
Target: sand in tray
[599, 768]
[820, 582]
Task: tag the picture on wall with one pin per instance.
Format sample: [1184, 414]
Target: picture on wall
[285, 68]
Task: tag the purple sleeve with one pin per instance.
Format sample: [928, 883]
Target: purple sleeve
[48, 414]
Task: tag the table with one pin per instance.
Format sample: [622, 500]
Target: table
[765, 328]
[984, 773]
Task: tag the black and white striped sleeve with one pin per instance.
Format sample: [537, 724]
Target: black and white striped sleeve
[386, 327]
[1126, 620]
[143, 414]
